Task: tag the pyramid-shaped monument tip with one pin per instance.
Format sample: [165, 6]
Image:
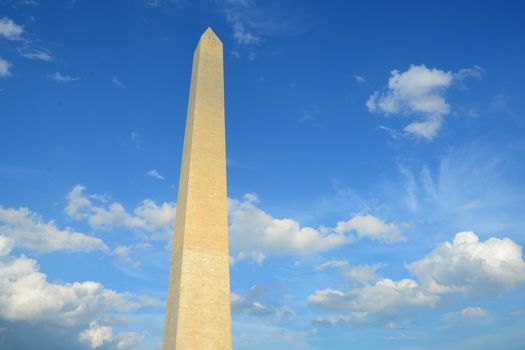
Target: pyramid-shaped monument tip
[210, 34]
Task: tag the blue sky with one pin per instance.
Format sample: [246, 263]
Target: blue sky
[375, 171]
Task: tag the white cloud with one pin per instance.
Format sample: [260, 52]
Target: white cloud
[470, 313]
[148, 301]
[355, 319]
[469, 266]
[465, 266]
[294, 336]
[10, 30]
[17, 3]
[128, 339]
[157, 219]
[469, 316]
[35, 54]
[155, 174]
[5, 68]
[96, 335]
[59, 78]
[359, 78]
[383, 301]
[258, 335]
[244, 304]
[249, 303]
[236, 16]
[26, 295]
[253, 230]
[254, 234]
[123, 254]
[135, 139]
[419, 91]
[117, 82]
[426, 128]
[28, 230]
[6, 245]
[475, 72]
[359, 273]
[241, 34]
[66, 311]
[371, 227]
[255, 256]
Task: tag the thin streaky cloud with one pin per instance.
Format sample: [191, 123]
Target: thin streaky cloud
[155, 174]
[35, 54]
[118, 83]
[63, 78]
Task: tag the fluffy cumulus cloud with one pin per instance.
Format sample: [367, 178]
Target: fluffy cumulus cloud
[6, 245]
[155, 219]
[371, 227]
[468, 316]
[470, 266]
[5, 68]
[465, 265]
[96, 335]
[254, 230]
[419, 91]
[10, 30]
[27, 229]
[471, 313]
[30, 303]
[26, 295]
[379, 302]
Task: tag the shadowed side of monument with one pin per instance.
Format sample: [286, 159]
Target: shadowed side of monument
[198, 306]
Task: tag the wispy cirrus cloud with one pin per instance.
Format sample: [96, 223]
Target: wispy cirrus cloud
[237, 13]
[18, 3]
[154, 173]
[118, 83]
[10, 30]
[252, 21]
[35, 54]
[476, 186]
[63, 78]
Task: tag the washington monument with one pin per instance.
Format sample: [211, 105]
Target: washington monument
[198, 307]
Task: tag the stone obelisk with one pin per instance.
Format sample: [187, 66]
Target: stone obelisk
[198, 307]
